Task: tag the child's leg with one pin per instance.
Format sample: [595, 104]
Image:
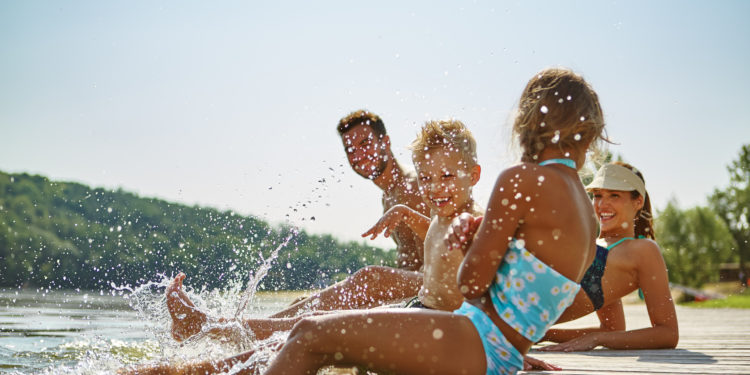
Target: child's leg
[371, 286]
[403, 341]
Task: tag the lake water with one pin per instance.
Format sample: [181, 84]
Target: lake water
[77, 332]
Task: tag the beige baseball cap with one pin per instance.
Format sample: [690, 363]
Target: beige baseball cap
[616, 177]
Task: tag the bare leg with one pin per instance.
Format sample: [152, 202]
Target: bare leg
[187, 320]
[204, 367]
[404, 341]
[369, 287]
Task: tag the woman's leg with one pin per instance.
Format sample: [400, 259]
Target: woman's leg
[408, 341]
[370, 286]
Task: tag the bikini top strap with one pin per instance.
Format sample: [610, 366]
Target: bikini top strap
[623, 240]
[619, 242]
[566, 162]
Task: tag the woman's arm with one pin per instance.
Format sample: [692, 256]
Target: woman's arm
[663, 333]
[611, 318]
[495, 232]
[396, 215]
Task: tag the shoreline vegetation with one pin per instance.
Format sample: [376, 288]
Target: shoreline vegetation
[66, 235]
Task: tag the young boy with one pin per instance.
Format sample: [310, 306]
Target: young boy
[445, 160]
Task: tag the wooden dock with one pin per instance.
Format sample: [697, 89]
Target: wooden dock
[712, 341]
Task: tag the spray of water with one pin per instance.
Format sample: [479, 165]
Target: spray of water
[258, 276]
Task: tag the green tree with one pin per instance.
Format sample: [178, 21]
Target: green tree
[733, 206]
[695, 242]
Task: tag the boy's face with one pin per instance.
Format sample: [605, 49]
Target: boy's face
[445, 180]
[367, 154]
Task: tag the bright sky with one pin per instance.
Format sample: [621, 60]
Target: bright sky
[234, 104]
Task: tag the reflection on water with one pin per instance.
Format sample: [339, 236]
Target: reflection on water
[69, 332]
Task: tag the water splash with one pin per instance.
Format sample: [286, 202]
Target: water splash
[262, 271]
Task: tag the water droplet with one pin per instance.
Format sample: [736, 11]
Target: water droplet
[520, 244]
[556, 233]
[577, 137]
[540, 178]
[560, 100]
[544, 109]
[504, 202]
[556, 138]
[338, 356]
[437, 334]
[583, 118]
[513, 206]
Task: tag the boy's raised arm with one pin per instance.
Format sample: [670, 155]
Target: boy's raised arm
[396, 215]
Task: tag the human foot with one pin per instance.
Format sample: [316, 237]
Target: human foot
[187, 320]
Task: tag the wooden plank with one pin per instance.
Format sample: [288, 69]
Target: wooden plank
[712, 341]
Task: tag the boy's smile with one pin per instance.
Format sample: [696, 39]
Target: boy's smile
[445, 180]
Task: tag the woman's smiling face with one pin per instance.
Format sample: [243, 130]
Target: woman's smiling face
[615, 209]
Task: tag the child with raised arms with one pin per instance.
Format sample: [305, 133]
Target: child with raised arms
[445, 160]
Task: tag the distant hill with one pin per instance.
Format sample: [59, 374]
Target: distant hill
[68, 235]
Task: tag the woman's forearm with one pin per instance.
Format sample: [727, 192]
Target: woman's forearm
[659, 337]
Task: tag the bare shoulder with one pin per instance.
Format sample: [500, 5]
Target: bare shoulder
[645, 250]
[519, 175]
[647, 246]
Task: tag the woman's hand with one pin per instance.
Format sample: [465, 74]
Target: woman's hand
[461, 232]
[586, 342]
[531, 363]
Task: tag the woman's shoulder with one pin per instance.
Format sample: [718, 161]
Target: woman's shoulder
[644, 247]
[521, 173]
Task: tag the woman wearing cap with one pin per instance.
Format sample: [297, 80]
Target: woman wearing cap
[632, 260]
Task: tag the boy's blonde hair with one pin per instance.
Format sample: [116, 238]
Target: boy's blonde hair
[558, 108]
[451, 133]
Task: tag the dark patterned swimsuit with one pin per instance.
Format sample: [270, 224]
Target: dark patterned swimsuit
[591, 283]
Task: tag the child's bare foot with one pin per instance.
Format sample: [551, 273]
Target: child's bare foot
[187, 320]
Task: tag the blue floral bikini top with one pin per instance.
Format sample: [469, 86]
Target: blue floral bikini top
[528, 294]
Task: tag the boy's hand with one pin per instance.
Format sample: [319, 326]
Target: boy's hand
[388, 222]
[462, 230]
